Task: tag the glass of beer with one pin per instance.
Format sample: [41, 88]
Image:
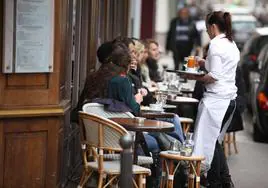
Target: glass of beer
[191, 63]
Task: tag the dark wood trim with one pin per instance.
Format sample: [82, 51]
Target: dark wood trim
[148, 19]
[52, 173]
[1, 37]
[19, 113]
[1, 153]
[44, 111]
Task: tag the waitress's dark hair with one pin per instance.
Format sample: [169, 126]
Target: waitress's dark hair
[223, 21]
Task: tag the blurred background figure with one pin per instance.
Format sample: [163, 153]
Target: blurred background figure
[152, 60]
[182, 36]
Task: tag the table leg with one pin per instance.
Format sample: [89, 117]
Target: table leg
[164, 174]
[198, 169]
[136, 145]
[191, 176]
[170, 176]
[140, 140]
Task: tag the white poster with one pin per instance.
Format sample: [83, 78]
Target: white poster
[34, 35]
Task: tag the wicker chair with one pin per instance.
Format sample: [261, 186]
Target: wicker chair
[98, 109]
[100, 134]
[186, 124]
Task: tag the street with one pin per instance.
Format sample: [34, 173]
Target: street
[248, 167]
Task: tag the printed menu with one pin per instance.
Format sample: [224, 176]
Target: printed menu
[34, 35]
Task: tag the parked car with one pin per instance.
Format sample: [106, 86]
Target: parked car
[251, 50]
[259, 96]
[243, 27]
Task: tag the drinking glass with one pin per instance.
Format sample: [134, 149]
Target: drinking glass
[191, 62]
[174, 145]
[163, 98]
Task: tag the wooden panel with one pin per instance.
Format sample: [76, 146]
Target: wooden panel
[53, 95]
[60, 165]
[27, 81]
[52, 173]
[30, 151]
[1, 153]
[1, 51]
[23, 97]
[25, 158]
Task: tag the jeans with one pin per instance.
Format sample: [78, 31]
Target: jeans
[177, 133]
[153, 147]
[151, 143]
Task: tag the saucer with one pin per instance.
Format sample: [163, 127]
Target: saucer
[148, 109]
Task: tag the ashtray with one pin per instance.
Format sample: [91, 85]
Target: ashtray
[174, 152]
[139, 120]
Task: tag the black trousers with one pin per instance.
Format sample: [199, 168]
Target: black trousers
[218, 175]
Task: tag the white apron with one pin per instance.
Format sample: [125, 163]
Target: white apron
[208, 124]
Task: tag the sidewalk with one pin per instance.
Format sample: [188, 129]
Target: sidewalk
[249, 167]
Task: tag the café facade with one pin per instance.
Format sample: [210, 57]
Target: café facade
[47, 49]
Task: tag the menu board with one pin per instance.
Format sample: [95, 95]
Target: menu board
[32, 42]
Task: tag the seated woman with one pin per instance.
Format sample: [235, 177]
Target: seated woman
[139, 58]
[120, 88]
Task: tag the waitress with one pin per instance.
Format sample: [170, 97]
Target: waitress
[217, 105]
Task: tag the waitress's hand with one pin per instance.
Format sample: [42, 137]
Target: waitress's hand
[200, 61]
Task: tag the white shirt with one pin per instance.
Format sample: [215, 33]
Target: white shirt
[221, 63]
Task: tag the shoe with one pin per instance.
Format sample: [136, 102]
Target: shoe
[204, 181]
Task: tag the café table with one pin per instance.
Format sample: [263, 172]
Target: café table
[153, 115]
[186, 106]
[165, 107]
[139, 125]
[183, 100]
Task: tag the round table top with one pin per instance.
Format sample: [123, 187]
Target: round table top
[167, 155]
[151, 115]
[147, 125]
[186, 120]
[179, 99]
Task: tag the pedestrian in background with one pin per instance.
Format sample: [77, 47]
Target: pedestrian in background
[182, 36]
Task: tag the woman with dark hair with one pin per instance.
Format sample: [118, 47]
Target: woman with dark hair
[119, 86]
[217, 106]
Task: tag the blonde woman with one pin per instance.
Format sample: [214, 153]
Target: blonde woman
[144, 69]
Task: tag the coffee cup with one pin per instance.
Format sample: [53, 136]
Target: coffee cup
[155, 106]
